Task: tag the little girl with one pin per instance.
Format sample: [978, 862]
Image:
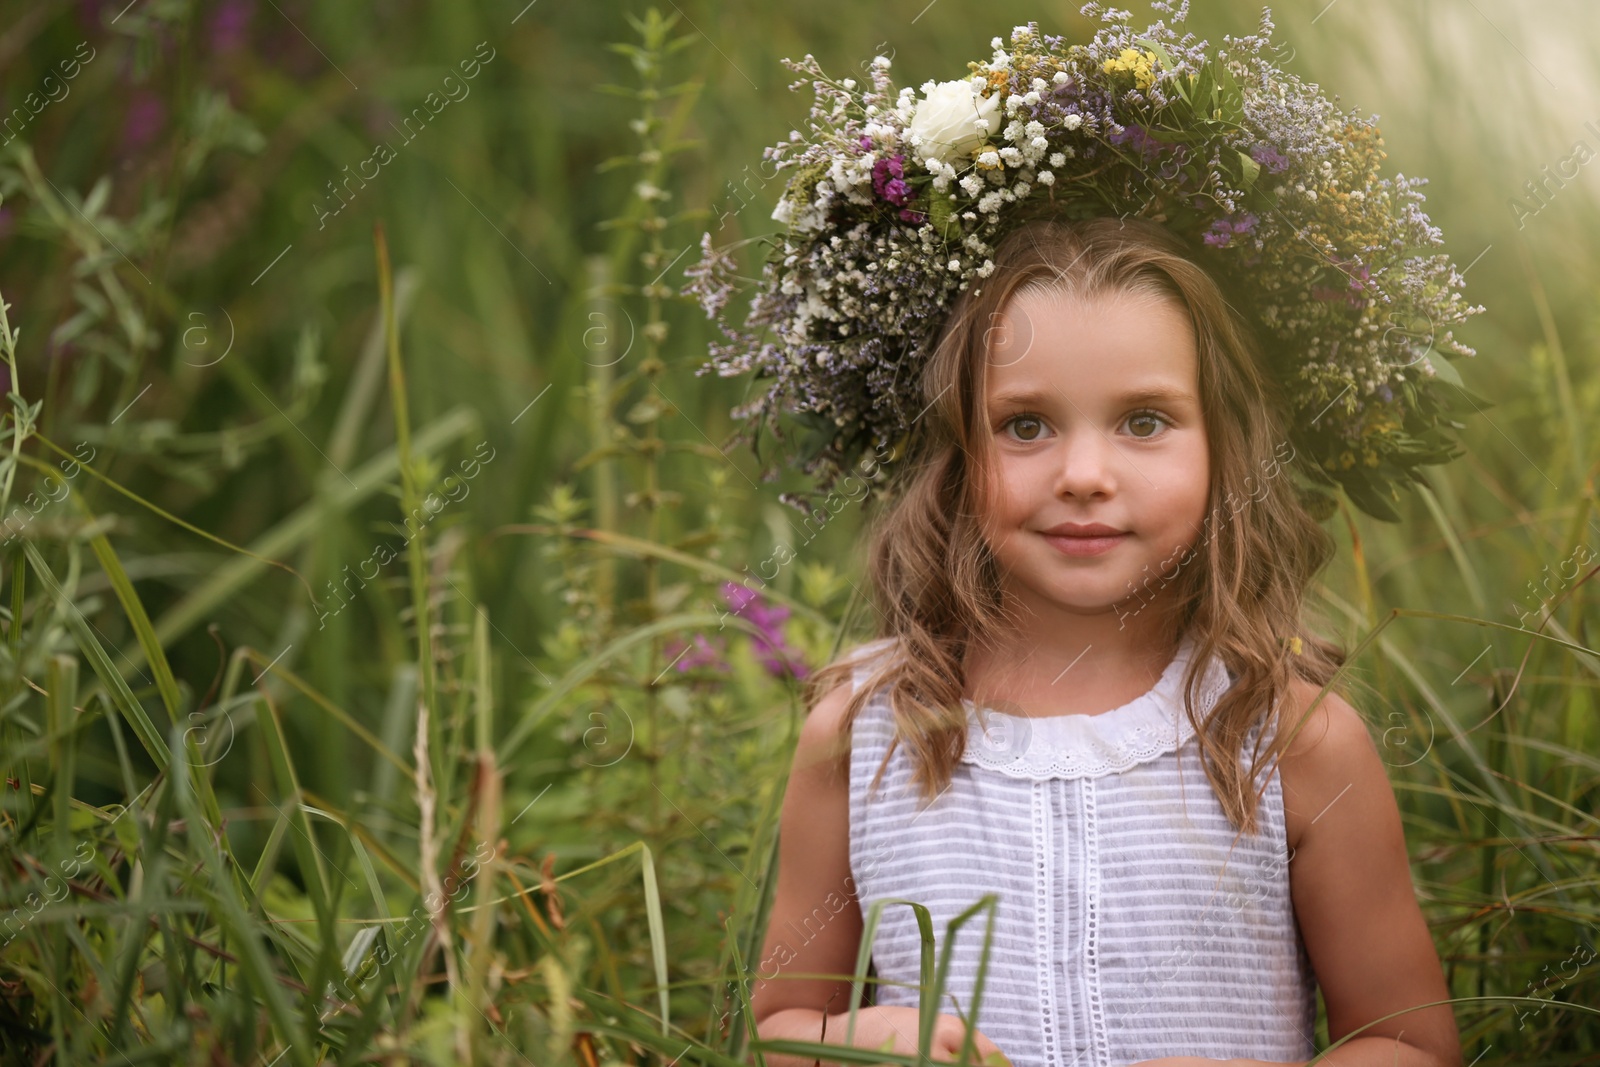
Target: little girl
[1107, 305]
[1153, 907]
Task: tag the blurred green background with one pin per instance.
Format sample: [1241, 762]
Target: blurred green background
[398, 562]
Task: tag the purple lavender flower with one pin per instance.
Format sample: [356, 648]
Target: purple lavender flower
[1387, 393]
[1269, 157]
[1140, 140]
[1222, 231]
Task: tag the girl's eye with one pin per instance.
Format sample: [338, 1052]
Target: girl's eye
[1025, 420]
[1148, 417]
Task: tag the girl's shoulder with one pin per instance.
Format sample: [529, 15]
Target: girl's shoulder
[1329, 747]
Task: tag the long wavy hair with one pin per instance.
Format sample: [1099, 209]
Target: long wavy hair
[1240, 590]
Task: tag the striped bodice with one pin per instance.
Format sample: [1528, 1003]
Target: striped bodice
[1124, 928]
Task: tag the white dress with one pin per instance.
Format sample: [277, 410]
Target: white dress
[1124, 930]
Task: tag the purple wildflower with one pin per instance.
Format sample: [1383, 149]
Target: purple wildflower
[89, 12]
[1332, 295]
[705, 654]
[1140, 140]
[230, 23]
[1222, 231]
[142, 120]
[1359, 280]
[772, 649]
[888, 180]
[1269, 157]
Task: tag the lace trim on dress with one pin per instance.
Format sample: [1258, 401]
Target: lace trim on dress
[1092, 746]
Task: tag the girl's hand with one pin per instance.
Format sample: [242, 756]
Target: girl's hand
[894, 1029]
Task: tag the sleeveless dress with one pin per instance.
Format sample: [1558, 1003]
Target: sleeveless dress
[1124, 928]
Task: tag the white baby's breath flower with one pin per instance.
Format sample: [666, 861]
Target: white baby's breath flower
[1047, 177]
[1061, 77]
[1072, 122]
[1057, 159]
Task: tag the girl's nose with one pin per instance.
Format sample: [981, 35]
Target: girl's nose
[1086, 464]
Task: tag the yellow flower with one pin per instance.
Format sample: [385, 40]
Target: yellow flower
[1296, 645]
[1346, 460]
[1135, 62]
[1372, 459]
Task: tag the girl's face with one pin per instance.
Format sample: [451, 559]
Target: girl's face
[1092, 414]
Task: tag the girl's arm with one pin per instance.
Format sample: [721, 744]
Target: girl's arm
[1350, 879]
[815, 927]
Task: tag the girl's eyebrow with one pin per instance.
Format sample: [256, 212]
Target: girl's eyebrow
[1159, 394]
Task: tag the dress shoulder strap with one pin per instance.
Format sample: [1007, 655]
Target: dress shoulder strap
[868, 658]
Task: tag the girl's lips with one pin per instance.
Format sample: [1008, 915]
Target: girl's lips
[1084, 546]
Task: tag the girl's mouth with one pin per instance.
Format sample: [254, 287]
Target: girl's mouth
[1084, 546]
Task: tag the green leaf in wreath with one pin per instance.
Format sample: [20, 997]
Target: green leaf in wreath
[1252, 169]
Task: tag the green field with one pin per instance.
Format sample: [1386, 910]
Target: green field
[369, 693]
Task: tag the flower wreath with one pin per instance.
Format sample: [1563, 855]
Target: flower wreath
[896, 203]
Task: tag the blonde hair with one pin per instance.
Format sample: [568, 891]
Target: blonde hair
[935, 582]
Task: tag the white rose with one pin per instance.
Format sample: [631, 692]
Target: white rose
[946, 120]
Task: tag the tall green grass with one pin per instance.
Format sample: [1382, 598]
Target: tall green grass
[260, 807]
